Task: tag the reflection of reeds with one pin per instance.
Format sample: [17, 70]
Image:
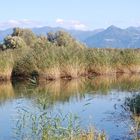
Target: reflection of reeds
[128, 82]
[64, 89]
[102, 83]
[6, 91]
[68, 87]
[128, 77]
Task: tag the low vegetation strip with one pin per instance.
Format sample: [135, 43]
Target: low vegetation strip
[58, 55]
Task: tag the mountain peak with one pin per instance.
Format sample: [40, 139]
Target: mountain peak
[112, 27]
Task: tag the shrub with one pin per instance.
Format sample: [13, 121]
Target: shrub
[62, 38]
[27, 35]
[13, 42]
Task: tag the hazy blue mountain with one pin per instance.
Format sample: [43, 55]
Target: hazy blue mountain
[83, 35]
[46, 29]
[79, 35]
[135, 30]
[116, 37]
[4, 33]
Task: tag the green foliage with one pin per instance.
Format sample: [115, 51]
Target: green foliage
[59, 62]
[42, 41]
[27, 35]
[6, 61]
[62, 38]
[12, 42]
[53, 62]
[130, 56]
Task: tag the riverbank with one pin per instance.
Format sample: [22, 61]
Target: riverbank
[61, 63]
[59, 56]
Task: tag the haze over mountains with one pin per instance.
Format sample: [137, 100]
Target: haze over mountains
[101, 38]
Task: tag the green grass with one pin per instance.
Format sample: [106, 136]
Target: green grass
[58, 62]
[8, 60]
[6, 64]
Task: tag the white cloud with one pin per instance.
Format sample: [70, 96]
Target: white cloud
[24, 23]
[60, 21]
[80, 26]
[71, 24]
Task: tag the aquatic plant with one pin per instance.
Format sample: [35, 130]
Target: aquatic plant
[42, 124]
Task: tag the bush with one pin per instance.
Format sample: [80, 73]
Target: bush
[27, 35]
[12, 42]
[62, 38]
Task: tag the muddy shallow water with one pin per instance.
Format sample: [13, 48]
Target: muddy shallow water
[99, 102]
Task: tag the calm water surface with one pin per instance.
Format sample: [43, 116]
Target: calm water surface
[99, 102]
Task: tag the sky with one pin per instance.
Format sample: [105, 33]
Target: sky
[71, 14]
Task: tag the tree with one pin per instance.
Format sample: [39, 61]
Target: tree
[1, 46]
[12, 42]
[64, 39]
[51, 37]
[42, 41]
[27, 35]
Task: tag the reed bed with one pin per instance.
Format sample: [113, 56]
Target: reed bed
[60, 56]
[55, 63]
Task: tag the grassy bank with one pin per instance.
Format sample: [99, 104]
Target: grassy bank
[55, 63]
[60, 56]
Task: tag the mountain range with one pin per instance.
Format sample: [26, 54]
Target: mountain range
[101, 38]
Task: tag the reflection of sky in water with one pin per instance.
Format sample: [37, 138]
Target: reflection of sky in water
[100, 112]
[90, 103]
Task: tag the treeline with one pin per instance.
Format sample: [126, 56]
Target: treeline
[58, 55]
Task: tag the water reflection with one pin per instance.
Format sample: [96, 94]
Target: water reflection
[6, 92]
[113, 92]
[63, 89]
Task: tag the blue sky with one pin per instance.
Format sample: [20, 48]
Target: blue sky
[74, 14]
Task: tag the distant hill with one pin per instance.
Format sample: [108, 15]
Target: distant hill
[4, 33]
[111, 37]
[116, 37]
[83, 35]
[77, 34]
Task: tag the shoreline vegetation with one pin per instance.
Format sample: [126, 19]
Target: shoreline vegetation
[59, 56]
